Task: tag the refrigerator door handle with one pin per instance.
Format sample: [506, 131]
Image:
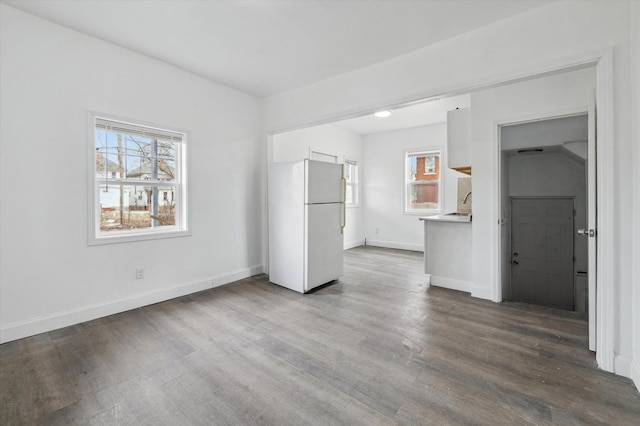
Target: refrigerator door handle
[344, 204]
[344, 190]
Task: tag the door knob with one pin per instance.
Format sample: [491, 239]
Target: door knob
[515, 254]
[587, 232]
[515, 262]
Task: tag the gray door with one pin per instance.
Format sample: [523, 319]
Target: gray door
[542, 251]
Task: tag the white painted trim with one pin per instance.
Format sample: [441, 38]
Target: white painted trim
[605, 180]
[634, 17]
[265, 202]
[635, 373]
[394, 245]
[622, 365]
[32, 327]
[339, 158]
[352, 244]
[482, 293]
[451, 283]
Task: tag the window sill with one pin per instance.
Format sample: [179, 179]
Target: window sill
[132, 237]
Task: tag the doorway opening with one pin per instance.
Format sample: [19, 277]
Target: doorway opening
[601, 216]
[544, 204]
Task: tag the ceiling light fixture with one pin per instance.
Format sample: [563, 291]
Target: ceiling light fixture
[383, 114]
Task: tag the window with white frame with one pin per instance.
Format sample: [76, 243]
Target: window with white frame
[351, 176]
[423, 183]
[138, 185]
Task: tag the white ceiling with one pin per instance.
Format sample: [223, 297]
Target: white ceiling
[270, 46]
[423, 114]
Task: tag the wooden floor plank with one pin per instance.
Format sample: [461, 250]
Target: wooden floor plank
[376, 347]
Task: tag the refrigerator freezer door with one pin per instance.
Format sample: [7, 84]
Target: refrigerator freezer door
[324, 183]
[324, 244]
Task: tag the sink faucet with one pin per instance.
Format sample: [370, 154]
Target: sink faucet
[464, 200]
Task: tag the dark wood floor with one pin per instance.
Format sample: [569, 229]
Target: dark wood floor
[377, 347]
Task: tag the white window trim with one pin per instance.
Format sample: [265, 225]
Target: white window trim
[326, 154]
[355, 184]
[423, 212]
[95, 236]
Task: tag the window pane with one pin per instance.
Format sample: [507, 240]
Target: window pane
[166, 169]
[107, 165]
[349, 195]
[423, 167]
[423, 181]
[136, 165]
[130, 207]
[429, 164]
[106, 141]
[424, 196]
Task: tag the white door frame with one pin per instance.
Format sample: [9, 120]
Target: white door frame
[604, 320]
[605, 217]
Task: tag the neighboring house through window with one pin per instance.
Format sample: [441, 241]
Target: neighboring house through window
[423, 185]
[138, 185]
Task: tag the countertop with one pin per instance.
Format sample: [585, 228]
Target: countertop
[447, 218]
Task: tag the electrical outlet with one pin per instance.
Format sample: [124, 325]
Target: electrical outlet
[139, 272]
[377, 230]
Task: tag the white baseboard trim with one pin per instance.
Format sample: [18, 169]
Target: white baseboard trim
[635, 373]
[393, 245]
[622, 366]
[481, 292]
[352, 244]
[450, 283]
[44, 324]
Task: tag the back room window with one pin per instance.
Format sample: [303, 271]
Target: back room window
[423, 184]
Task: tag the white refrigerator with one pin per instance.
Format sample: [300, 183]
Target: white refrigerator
[306, 223]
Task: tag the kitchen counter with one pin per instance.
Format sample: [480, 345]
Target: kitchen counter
[447, 251]
[448, 218]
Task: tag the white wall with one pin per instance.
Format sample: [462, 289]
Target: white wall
[384, 185]
[546, 133]
[573, 32]
[49, 276]
[328, 139]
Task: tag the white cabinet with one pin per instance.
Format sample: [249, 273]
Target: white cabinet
[459, 140]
